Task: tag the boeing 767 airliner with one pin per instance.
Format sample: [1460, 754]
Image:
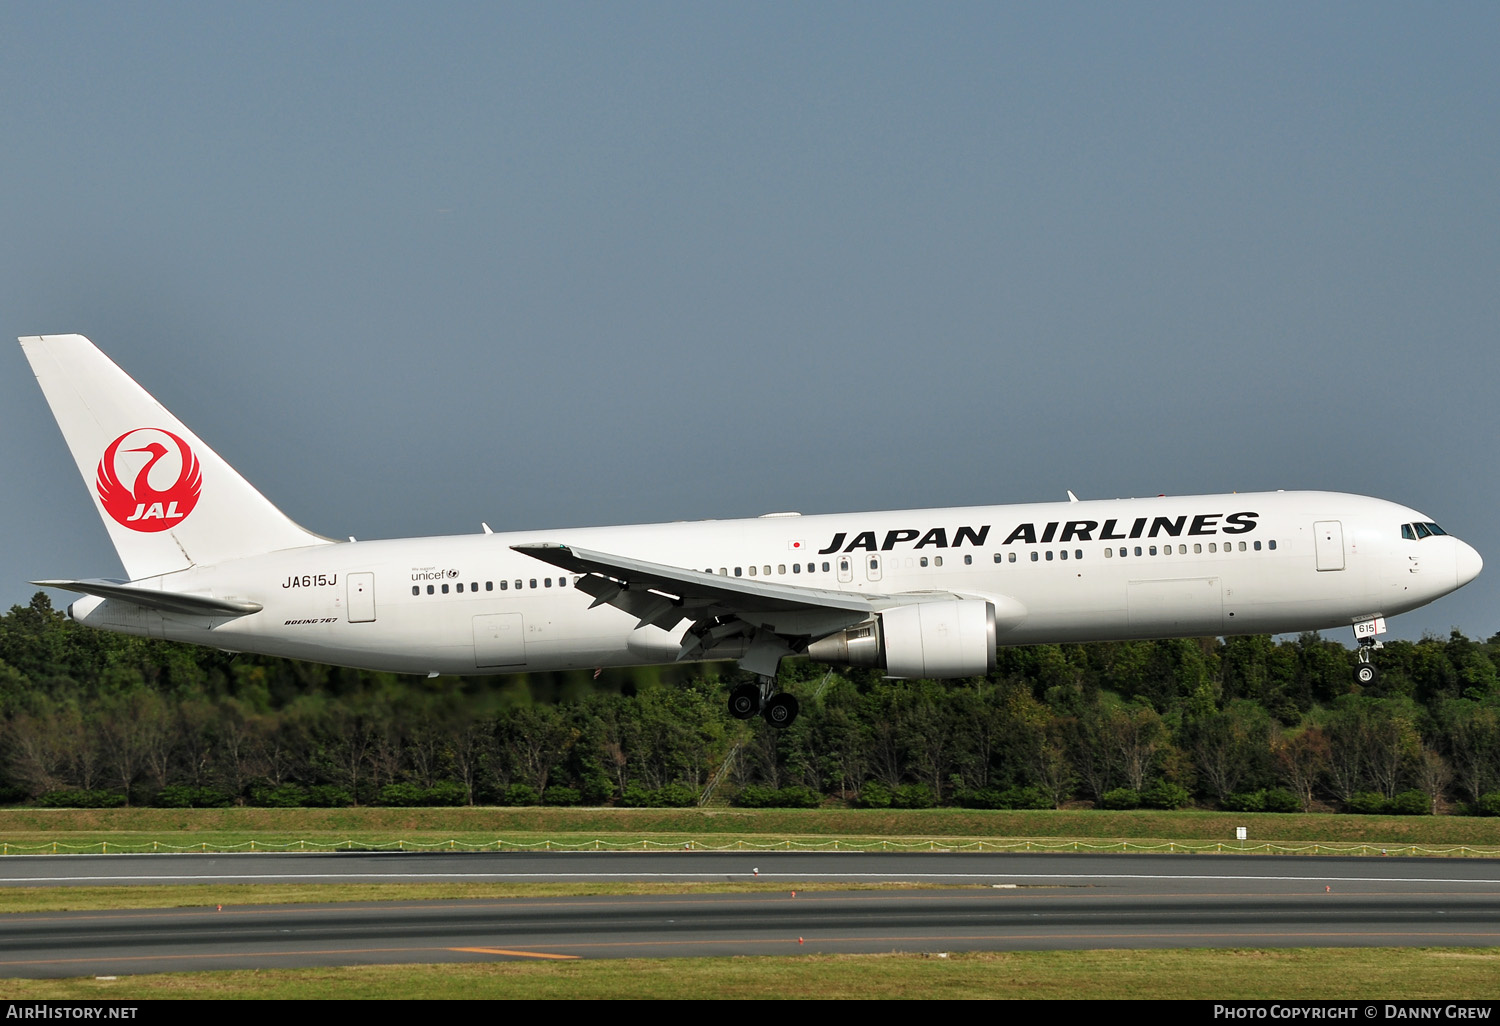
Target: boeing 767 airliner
[916, 593]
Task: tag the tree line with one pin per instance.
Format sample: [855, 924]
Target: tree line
[1242, 723]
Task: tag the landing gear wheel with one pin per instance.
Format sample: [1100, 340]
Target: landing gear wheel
[780, 710]
[1365, 672]
[744, 701]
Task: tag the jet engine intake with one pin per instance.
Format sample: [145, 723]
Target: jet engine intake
[950, 638]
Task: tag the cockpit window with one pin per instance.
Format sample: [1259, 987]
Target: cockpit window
[1422, 531]
[1408, 533]
[1434, 528]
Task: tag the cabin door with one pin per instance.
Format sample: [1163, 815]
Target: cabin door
[361, 598]
[1328, 535]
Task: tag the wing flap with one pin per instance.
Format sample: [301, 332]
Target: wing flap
[659, 594]
[683, 583]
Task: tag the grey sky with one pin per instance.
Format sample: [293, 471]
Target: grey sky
[413, 267]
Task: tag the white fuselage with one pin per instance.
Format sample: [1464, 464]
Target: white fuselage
[1179, 566]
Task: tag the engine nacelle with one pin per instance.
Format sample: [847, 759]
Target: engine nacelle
[948, 638]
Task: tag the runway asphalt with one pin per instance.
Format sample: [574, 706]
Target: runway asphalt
[974, 902]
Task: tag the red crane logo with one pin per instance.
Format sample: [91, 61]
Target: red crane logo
[141, 506]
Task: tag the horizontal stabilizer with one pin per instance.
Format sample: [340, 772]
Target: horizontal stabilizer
[165, 601]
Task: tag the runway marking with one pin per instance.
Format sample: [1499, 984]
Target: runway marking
[517, 954]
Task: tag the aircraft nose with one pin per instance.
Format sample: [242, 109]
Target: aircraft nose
[1466, 563]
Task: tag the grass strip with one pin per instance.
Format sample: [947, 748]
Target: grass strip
[1355, 974]
[127, 844]
[40, 830]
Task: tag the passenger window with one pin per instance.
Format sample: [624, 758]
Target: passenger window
[445, 589]
[825, 568]
[1034, 556]
[781, 568]
[518, 585]
[737, 572]
[923, 561]
[1153, 550]
[752, 571]
[937, 560]
[1272, 543]
[429, 589]
[460, 587]
[547, 581]
[490, 585]
[416, 589]
[1012, 557]
[1049, 555]
[533, 582]
[1242, 546]
[1077, 553]
[723, 572]
[1213, 546]
[968, 560]
[796, 568]
[1197, 548]
[504, 585]
[1063, 554]
[1108, 552]
[998, 557]
[765, 571]
[1138, 550]
[1257, 546]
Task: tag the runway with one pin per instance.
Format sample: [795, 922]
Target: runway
[973, 902]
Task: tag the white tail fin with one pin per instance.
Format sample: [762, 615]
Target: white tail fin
[168, 500]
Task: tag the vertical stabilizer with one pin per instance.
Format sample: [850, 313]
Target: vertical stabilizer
[167, 499]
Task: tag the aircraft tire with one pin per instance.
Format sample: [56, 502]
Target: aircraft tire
[1366, 674]
[744, 701]
[781, 711]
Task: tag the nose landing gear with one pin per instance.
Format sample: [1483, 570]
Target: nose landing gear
[1367, 633]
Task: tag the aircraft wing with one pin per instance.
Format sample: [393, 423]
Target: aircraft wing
[152, 598]
[667, 595]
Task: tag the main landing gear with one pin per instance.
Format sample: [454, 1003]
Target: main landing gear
[778, 708]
